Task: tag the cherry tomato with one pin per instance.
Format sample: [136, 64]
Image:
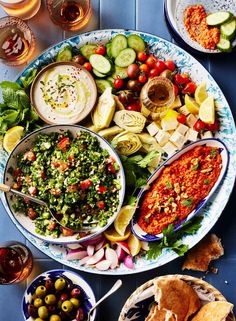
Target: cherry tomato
[102, 189]
[67, 231]
[199, 126]
[142, 78]
[79, 59]
[142, 56]
[213, 127]
[111, 169]
[170, 65]
[181, 80]
[88, 66]
[32, 190]
[134, 85]
[189, 88]
[72, 188]
[134, 107]
[31, 213]
[71, 158]
[63, 143]
[118, 83]
[144, 68]
[176, 90]
[153, 72]
[52, 225]
[101, 205]
[30, 156]
[181, 118]
[100, 50]
[133, 71]
[160, 65]
[126, 97]
[17, 172]
[151, 61]
[85, 184]
[43, 175]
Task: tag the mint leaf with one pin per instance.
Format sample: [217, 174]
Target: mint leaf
[188, 202]
[28, 79]
[148, 158]
[169, 185]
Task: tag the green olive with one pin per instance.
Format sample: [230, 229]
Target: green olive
[55, 317]
[38, 319]
[75, 302]
[60, 284]
[38, 302]
[67, 306]
[43, 312]
[50, 299]
[41, 291]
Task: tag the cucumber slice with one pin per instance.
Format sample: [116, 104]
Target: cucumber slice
[217, 18]
[136, 42]
[102, 84]
[228, 29]
[98, 74]
[120, 72]
[125, 58]
[100, 63]
[108, 47]
[65, 54]
[87, 50]
[118, 44]
[224, 45]
[111, 81]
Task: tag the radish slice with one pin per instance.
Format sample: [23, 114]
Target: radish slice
[144, 246]
[100, 245]
[128, 262]
[120, 253]
[103, 265]
[77, 254]
[112, 256]
[84, 260]
[96, 257]
[93, 241]
[124, 246]
[90, 250]
[74, 246]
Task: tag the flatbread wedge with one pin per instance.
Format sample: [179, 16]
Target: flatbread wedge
[177, 297]
[159, 315]
[214, 311]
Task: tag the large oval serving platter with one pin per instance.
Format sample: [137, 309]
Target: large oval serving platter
[213, 209]
[212, 142]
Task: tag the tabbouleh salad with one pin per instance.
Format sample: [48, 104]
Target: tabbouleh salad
[74, 176]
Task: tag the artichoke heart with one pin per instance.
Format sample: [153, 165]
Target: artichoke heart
[110, 133]
[149, 143]
[127, 143]
[132, 121]
[104, 111]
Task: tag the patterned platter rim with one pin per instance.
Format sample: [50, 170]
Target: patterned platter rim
[218, 201]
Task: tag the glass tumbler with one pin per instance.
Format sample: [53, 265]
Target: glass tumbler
[24, 9]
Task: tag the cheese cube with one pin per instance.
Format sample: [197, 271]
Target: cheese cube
[191, 120]
[207, 134]
[162, 137]
[169, 148]
[152, 128]
[169, 124]
[178, 139]
[191, 135]
[183, 110]
[182, 129]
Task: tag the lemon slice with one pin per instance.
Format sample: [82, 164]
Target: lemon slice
[123, 219]
[207, 111]
[201, 93]
[191, 105]
[113, 236]
[134, 244]
[12, 137]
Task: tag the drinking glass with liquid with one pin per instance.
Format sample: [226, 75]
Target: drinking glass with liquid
[16, 262]
[24, 9]
[70, 14]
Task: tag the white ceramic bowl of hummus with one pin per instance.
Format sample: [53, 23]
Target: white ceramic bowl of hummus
[63, 93]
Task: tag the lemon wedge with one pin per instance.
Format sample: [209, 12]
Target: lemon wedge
[12, 137]
[207, 111]
[201, 93]
[134, 245]
[191, 105]
[113, 236]
[123, 219]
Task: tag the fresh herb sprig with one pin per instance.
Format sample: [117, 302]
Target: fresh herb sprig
[172, 240]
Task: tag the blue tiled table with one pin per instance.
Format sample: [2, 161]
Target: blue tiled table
[145, 15]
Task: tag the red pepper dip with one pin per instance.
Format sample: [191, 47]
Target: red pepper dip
[196, 25]
[179, 189]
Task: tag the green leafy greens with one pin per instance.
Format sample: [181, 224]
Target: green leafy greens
[172, 240]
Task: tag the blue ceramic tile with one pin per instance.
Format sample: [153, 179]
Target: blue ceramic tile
[37, 254]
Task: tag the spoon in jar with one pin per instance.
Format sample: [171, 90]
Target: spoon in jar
[86, 226]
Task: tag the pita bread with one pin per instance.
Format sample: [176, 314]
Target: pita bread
[214, 311]
[176, 296]
[199, 257]
[159, 315]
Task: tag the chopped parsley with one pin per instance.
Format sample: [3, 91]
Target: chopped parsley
[171, 200]
[169, 185]
[213, 153]
[206, 181]
[195, 166]
[188, 202]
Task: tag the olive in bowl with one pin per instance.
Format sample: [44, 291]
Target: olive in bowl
[58, 295]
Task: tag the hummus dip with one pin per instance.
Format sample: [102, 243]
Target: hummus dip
[63, 93]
